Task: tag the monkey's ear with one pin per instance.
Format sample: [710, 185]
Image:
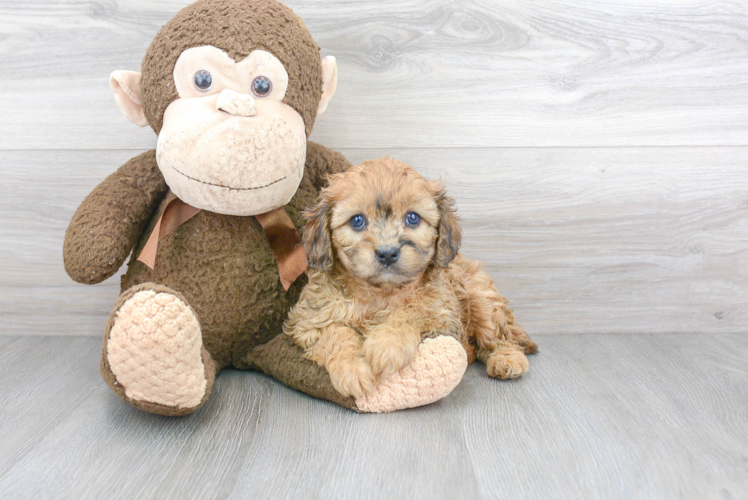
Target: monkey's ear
[317, 239]
[329, 82]
[126, 88]
[450, 234]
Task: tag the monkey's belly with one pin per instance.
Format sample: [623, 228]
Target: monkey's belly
[225, 269]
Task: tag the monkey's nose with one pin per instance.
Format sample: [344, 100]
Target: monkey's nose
[235, 103]
[388, 255]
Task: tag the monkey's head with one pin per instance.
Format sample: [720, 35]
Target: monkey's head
[231, 88]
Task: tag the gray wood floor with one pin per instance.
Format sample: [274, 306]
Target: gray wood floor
[598, 416]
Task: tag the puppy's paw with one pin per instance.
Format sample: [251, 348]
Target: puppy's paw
[507, 363]
[389, 353]
[352, 377]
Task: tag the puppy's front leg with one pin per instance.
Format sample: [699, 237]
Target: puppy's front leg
[390, 346]
[338, 348]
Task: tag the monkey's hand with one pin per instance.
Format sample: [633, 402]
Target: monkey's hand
[109, 222]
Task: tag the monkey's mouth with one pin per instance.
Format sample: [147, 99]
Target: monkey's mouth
[251, 188]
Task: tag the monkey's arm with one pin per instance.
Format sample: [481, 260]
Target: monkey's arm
[322, 162]
[109, 222]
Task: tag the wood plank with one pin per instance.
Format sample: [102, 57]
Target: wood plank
[419, 73]
[38, 197]
[597, 416]
[616, 240]
[44, 380]
[619, 240]
[415, 454]
[617, 417]
[106, 433]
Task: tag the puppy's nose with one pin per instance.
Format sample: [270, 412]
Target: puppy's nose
[235, 103]
[388, 255]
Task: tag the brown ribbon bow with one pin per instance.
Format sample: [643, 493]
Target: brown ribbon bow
[282, 235]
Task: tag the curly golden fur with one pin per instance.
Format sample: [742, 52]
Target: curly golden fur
[385, 272]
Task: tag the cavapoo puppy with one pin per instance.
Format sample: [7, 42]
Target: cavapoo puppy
[385, 272]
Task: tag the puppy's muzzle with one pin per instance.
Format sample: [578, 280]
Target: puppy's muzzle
[387, 255]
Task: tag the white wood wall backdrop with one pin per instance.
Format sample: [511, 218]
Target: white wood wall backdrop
[598, 150]
[419, 73]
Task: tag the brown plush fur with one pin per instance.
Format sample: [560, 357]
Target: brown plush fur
[224, 267]
[212, 259]
[111, 220]
[361, 317]
[238, 27]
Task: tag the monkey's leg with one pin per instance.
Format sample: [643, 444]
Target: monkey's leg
[153, 355]
[435, 370]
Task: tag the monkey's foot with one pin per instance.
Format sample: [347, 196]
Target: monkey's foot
[436, 369]
[153, 353]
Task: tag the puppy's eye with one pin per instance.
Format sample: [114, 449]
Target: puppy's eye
[203, 80]
[262, 86]
[358, 222]
[412, 219]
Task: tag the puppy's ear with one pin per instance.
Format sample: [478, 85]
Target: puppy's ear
[450, 234]
[317, 239]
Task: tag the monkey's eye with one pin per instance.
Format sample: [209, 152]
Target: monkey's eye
[262, 86]
[412, 219]
[358, 222]
[203, 80]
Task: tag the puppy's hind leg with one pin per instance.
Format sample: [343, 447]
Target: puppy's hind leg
[505, 361]
[501, 342]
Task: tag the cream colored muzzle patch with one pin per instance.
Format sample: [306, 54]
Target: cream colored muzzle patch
[154, 350]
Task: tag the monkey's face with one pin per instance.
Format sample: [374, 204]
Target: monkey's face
[232, 114]
[228, 144]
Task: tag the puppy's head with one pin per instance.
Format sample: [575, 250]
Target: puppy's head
[383, 223]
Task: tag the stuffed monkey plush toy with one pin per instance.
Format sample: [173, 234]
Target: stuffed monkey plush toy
[211, 217]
